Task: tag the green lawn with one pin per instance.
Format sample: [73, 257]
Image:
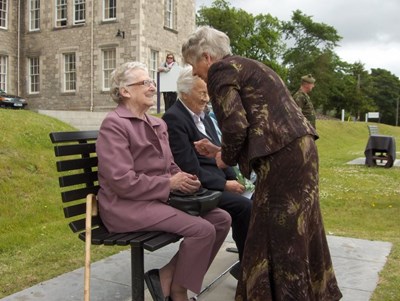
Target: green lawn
[36, 243]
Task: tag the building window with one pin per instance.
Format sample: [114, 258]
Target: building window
[109, 64]
[34, 77]
[3, 72]
[153, 64]
[61, 13]
[3, 13]
[69, 72]
[110, 9]
[169, 14]
[34, 15]
[79, 11]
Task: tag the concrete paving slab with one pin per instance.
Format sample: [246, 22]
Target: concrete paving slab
[357, 263]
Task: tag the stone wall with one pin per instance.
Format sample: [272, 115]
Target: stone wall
[142, 22]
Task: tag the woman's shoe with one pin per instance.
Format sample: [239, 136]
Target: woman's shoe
[153, 283]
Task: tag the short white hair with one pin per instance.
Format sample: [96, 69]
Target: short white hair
[186, 81]
[206, 40]
[123, 76]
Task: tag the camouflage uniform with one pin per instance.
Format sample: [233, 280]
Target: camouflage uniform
[304, 102]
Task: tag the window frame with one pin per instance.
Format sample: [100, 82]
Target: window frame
[34, 15]
[79, 10]
[61, 6]
[154, 63]
[109, 11]
[4, 14]
[169, 13]
[69, 74]
[34, 75]
[3, 72]
[109, 64]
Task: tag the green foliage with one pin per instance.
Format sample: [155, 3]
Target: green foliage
[256, 37]
[385, 92]
[36, 244]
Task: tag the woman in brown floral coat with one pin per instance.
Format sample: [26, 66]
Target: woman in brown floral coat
[286, 256]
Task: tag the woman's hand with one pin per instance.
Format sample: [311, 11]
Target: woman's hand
[221, 164]
[206, 148]
[184, 182]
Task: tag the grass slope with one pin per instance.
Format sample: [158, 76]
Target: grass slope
[36, 243]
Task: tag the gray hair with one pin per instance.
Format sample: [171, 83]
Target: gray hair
[206, 40]
[185, 81]
[122, 76]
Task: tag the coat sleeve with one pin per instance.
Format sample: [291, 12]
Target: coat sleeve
[224, 88]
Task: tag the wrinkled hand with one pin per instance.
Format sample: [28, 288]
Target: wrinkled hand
[206, 148]
[234, 186]
[221, 164]
[184, 182]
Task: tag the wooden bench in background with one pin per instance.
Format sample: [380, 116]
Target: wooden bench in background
[77, 165]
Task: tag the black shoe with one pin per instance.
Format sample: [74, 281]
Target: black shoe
[235, 271]
[153, 283]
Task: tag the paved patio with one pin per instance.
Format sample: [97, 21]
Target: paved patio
[357, 265]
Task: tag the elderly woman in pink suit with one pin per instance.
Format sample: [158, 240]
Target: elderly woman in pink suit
[136, 175]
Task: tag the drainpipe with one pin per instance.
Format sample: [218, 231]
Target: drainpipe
[91, 59]
[18, 45]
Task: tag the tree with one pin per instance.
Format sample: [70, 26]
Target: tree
[311, 52]
[385, 92]
[256, 37]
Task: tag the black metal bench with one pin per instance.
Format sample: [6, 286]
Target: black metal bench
[77, 164]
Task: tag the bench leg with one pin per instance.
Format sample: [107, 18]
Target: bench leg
[137, 273]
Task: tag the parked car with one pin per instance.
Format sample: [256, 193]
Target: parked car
[11, 101]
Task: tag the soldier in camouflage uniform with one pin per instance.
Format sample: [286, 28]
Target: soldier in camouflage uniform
[303, 100]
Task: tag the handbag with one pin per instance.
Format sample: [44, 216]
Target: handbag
[197, 203]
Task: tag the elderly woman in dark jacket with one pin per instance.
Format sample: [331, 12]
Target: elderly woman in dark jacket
[136, 175]
[286, 255]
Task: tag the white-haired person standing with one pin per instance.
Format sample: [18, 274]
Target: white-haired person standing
[136, 174]
[286, 255]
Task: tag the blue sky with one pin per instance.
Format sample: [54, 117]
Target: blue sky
[369, 28]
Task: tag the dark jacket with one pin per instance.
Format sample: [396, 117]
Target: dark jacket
[182, 133]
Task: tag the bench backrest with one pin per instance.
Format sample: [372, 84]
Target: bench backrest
[373, 130]
[77, 165]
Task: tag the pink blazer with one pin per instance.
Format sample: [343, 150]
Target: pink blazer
[135, 164]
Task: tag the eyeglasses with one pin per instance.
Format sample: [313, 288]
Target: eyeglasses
[170, 57]
[147, 83]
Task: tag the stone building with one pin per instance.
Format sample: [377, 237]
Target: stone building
[59, 54]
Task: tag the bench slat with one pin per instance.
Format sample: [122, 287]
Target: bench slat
[77, 194]
[80, 163]
[73, 136]
[79, 224]
[88, 178]
[161, 241]
[74, 149]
